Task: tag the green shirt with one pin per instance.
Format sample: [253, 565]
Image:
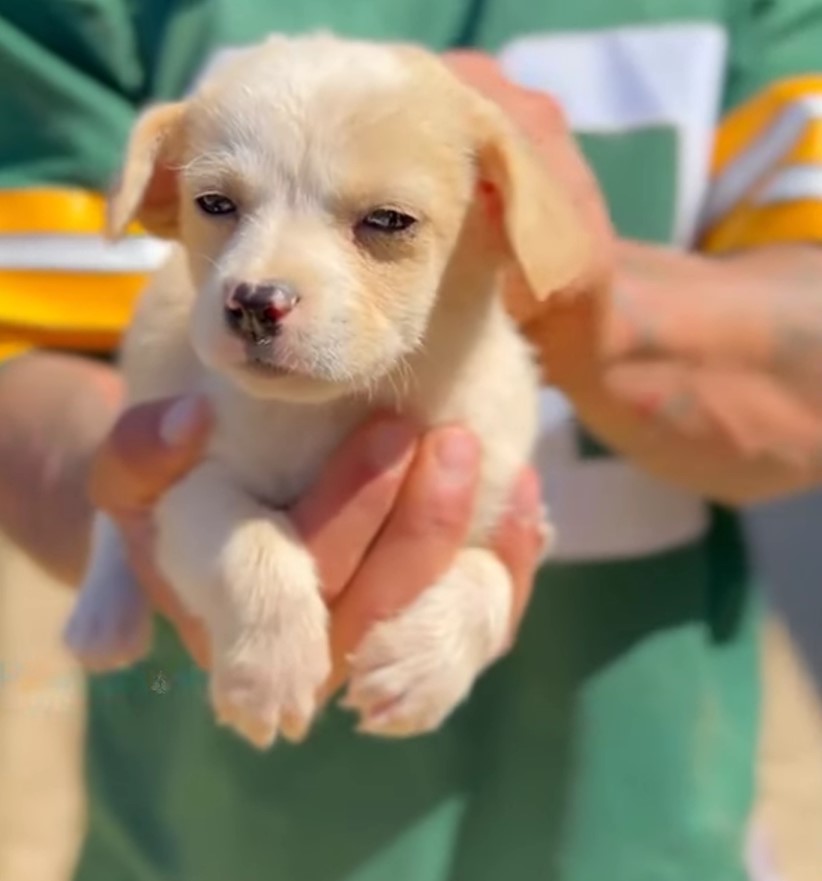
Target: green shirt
[617, 740]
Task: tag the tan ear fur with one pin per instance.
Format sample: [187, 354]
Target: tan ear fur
[544, 230]
[147, 187]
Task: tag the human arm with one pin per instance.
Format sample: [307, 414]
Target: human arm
[751, 428]
[710, 368]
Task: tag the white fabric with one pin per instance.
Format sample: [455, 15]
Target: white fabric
[622, 79]
[792, 183]
[605, 508]
[81, 253]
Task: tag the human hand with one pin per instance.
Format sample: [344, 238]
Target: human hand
[383, 521]
[708, 371]
[728, 353]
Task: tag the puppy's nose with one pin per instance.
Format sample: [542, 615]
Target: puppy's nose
[255, 311]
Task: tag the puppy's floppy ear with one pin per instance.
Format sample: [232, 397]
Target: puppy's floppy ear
[147, 186]
[544, 231]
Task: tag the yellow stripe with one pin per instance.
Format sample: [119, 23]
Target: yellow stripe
[808, 149]
[66, 301]
[74, 310]
[38, 211]
[750, 226]
[746, 224]
[745, 124]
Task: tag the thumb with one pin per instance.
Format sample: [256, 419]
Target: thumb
[151, 446]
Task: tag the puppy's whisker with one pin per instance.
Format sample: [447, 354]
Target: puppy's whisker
[210, 260]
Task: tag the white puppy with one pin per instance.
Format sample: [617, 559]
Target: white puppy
[342, 213]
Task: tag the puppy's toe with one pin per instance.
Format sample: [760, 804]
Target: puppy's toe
[402, 685]
[403, 699]
[109, 630]
[296, 725]
[271, 690]
[245, 699]
[411, 672]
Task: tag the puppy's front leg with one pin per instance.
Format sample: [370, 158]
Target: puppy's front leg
[241, 569]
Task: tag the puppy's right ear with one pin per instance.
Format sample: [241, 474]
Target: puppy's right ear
[147, 187]
[544, 230]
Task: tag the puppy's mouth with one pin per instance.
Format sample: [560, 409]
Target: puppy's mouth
[262, 360]
[261, 366]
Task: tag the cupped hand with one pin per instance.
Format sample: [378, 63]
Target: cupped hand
[383, 521]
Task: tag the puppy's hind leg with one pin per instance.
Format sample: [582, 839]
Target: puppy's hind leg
[110, 626]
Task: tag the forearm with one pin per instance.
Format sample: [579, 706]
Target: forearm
[709, 467]
[56, 409]
[731, 354]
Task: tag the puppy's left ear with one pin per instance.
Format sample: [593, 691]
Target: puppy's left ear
[147, 186]
[544, 231]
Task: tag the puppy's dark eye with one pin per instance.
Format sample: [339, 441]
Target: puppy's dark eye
[215, 204]
[387, 220]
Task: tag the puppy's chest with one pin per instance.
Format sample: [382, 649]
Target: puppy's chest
[275, 451]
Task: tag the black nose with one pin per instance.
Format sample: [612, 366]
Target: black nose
[255, 311]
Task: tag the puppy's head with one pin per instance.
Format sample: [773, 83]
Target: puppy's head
[322, 189]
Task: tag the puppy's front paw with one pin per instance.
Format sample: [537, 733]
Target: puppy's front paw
[267, 682]
[411, 671]
[110, 626]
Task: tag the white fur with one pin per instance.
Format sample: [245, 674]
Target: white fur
[446, 356]
[398, 681]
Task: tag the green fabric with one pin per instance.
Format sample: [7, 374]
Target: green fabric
[642, 207]
[617, 741]
[72, 74]
[777, 39]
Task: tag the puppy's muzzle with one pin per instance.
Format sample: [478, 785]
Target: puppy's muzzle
[255, 312]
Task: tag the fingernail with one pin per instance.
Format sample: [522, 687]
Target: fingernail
[529, 509]
[457, 455]
[526, 501]
[388, 443]
[182, 421]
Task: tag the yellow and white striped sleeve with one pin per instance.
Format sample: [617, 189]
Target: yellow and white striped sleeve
[766, 177]
[62, 285]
